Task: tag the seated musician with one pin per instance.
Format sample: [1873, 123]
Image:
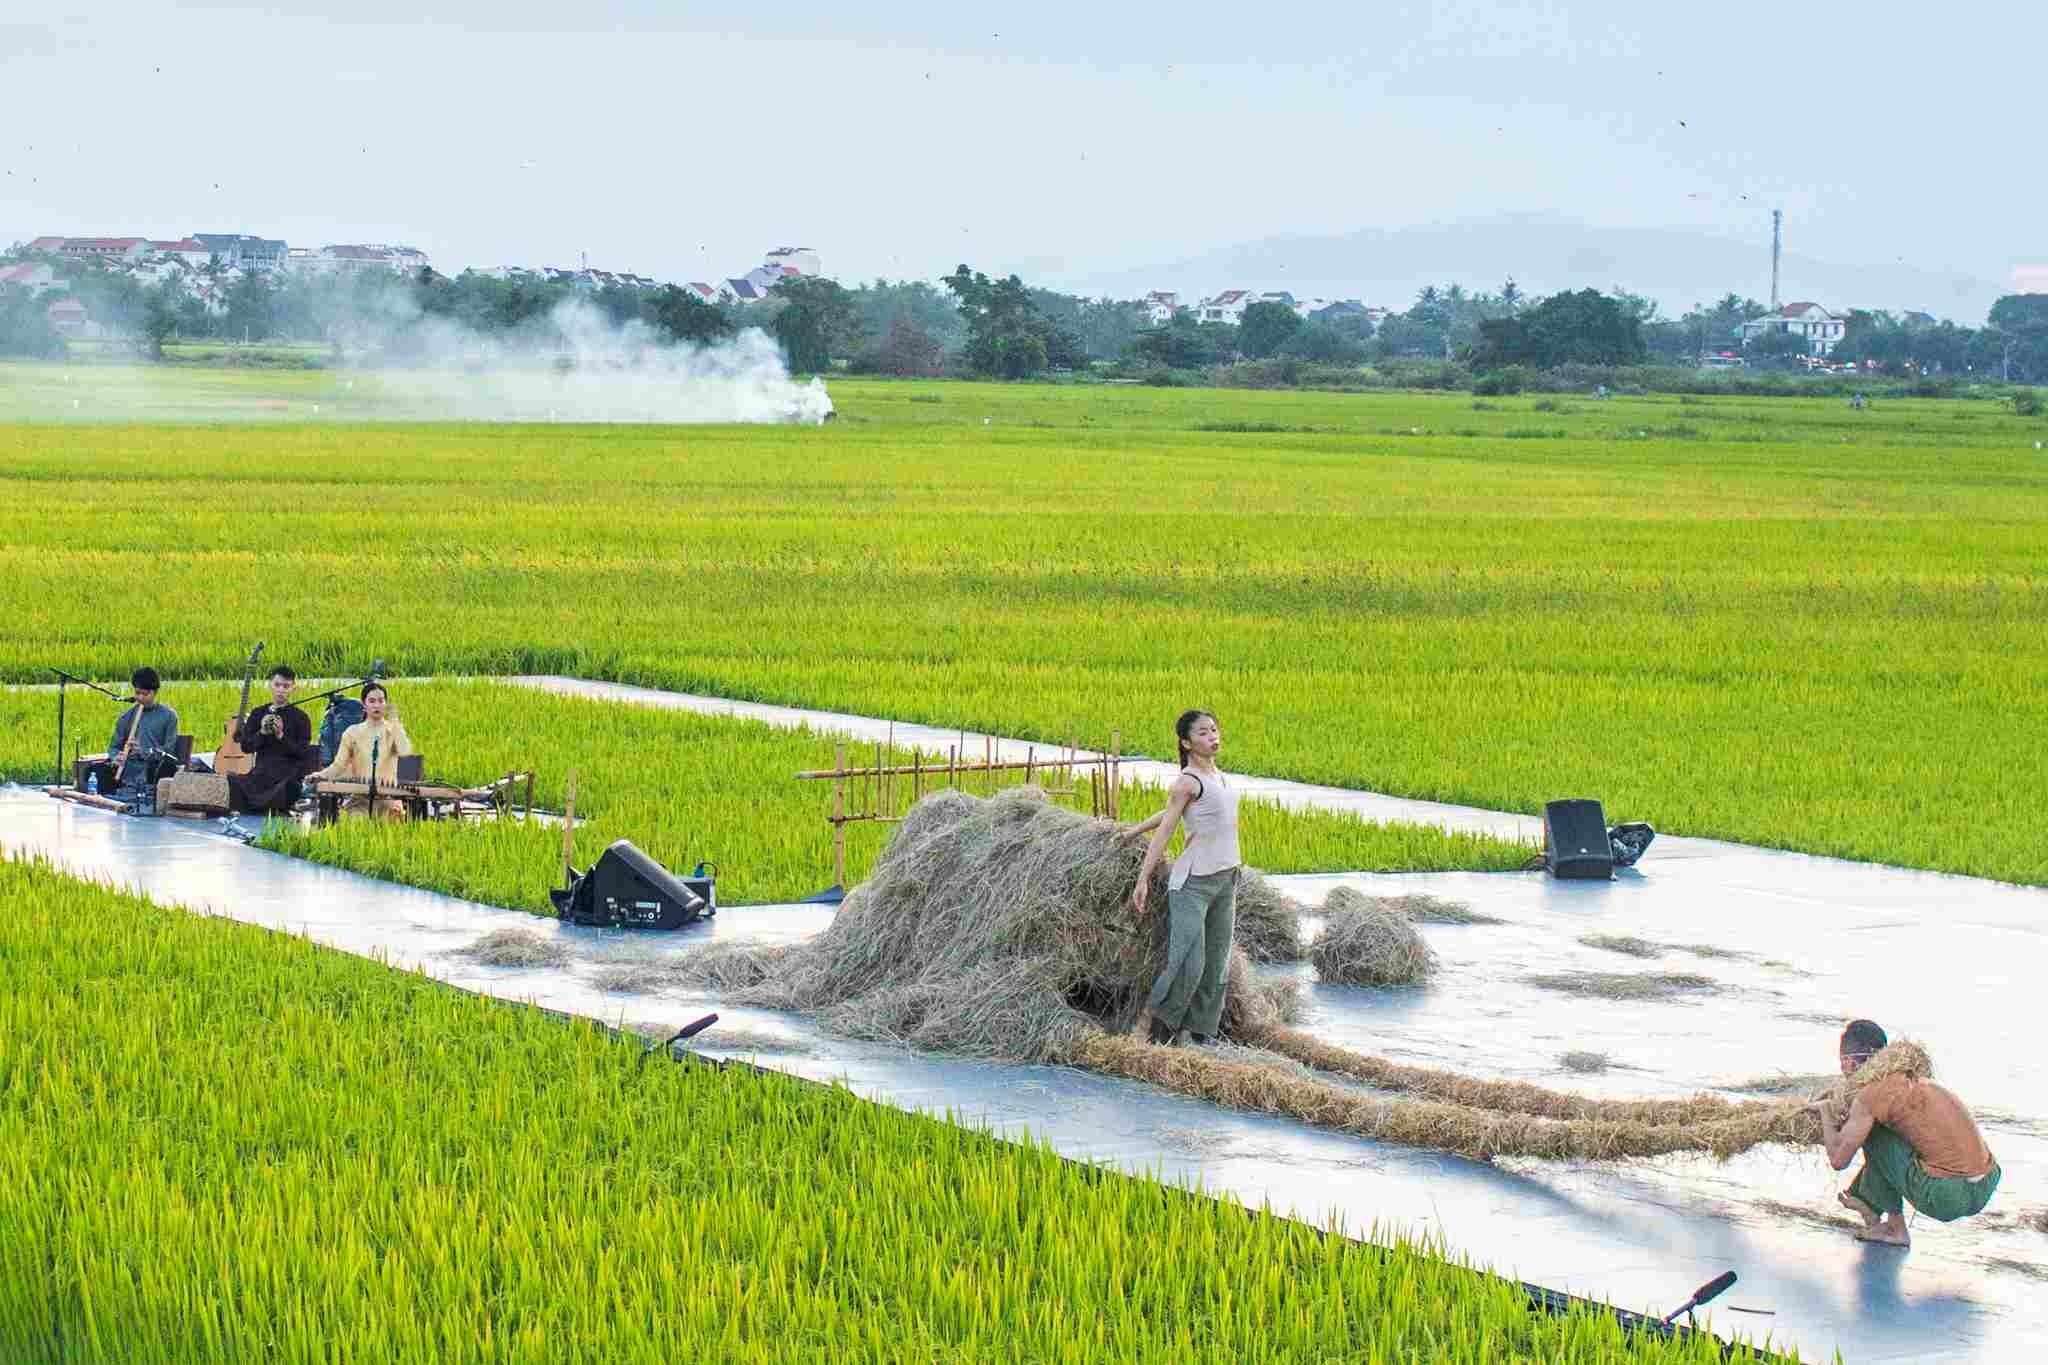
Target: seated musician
[145, 739]
[380, 735]
[278, 736]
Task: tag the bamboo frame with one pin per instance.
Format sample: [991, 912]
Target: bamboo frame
[860, 795]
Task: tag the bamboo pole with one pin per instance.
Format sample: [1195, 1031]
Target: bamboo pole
[1030, 752]
[839, 813]
[569, 832]
[1116, 748]
[953, 767]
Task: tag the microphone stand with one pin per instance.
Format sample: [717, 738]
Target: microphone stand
[64, 679]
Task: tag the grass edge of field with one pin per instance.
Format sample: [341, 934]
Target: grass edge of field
[273, 964]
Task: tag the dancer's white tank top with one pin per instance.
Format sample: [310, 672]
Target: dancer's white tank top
[1212, 831]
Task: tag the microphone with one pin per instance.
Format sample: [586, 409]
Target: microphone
[377, 668]
[1712, 1289]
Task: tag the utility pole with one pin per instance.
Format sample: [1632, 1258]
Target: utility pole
[1777, 241]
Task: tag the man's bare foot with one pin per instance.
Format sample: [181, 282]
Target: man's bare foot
[1862, 1210]
[1890, 1232]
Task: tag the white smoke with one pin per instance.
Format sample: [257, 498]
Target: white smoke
[581, 367]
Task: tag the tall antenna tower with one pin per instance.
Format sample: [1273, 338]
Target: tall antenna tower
[1777, 244]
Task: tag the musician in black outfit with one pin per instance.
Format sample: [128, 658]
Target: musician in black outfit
[279, 736]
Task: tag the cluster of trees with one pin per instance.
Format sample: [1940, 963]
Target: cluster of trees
[2012, 343]
[1584, 327]
[25, 328]
[1009, 329]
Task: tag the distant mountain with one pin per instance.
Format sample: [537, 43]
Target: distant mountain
[1678, 268]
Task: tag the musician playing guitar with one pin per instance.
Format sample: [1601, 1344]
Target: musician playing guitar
[278, 738]
[145, 738]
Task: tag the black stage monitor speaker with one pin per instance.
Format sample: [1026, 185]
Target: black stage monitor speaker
[626, 889]
[1575, 846]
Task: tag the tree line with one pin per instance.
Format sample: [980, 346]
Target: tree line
[1003, 327]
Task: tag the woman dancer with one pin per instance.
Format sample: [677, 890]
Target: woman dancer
[1201, 889]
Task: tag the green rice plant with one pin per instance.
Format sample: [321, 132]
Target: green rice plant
[1756, 631]
[687, 788]
[221, 1143]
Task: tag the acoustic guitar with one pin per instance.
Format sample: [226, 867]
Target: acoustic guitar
[231, 759]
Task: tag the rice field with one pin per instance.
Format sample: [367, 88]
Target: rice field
[685, 788]
[218, 1143]
[1777, 621]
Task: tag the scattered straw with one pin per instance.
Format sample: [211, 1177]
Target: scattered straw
[1646, 948]
[1419, 908]
[1784, 1083]
[1268, 919]
[1200, 1141]
[1479, 1133]
[749, 1042]
[2005, 1121]
[637, 977]
[1714, 950]
[2035, 1218]
[2028, 1268]
[1511, 1097]
[1370, 946]
[1622, 985]
[518, 948]
[1618, 943]
[1812, 1217]
[1585, 1063]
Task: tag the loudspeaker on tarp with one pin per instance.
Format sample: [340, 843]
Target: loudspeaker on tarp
[626, 889]
[1575, 844]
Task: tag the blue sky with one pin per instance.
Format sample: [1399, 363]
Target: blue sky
[1065, 141]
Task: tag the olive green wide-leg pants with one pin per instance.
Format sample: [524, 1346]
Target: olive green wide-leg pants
[1201, 916]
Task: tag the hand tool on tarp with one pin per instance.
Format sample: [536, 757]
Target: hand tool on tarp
[689, 1030]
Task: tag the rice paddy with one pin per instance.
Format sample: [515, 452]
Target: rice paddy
[1770, 621]
[685, 788]
[382, 1168]
[1784, 625]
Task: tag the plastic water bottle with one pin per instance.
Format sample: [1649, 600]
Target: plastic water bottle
[92, 783]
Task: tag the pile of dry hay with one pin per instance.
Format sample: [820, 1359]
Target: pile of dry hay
[1003, 928]
[1268, 919]
[1269, 928]
[1364, 942]
[995, 928]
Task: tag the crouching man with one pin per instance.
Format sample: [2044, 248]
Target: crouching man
[1920, 1146]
